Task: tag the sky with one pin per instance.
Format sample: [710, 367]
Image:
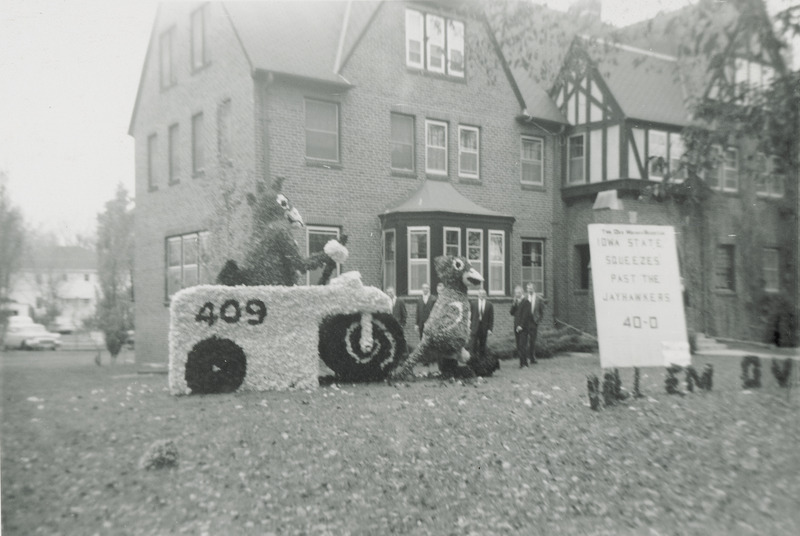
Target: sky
[70, 71]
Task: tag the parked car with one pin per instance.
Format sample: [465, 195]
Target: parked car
[30, 337]
[62, 325]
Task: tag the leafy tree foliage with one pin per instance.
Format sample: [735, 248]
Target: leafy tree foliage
[12, 238]
[115, 269]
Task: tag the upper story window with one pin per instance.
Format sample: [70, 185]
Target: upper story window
[166, 58]
[657, 154]
[322, 130]
[224, 132]
[468, 152]
[434, 43]
[198, 144]
[436, 147]
[532, 161]
[199, 52]
[173, 149]
[576, 160]
[152, 153]
[726, 175]
[770, 180]
[402, 142]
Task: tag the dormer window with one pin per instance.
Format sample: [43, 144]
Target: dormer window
[166, 60]
[434, 43]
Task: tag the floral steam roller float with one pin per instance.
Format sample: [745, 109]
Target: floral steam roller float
[256, 330]
[256, 338]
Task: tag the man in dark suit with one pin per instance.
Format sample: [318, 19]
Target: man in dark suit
[424, 307]
[481, 322]
[398, 307]
[528, 313]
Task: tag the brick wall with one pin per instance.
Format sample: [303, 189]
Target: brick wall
[189, 205]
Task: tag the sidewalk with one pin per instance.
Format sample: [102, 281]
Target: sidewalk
[727, 347]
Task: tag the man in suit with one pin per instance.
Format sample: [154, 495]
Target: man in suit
[481, 323]
[398, 307]
[424, 307]
[528, 313]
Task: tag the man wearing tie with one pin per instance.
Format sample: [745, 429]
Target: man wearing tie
[482, 323]
[424, 307]
[398, 307]
[528, 313]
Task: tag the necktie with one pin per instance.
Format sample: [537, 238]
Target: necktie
[533, 302]
[480, 310]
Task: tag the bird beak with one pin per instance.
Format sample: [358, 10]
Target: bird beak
[294, 217]
[472, 277]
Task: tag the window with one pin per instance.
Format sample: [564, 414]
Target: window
[402, 142]
[726, 175]
[434, 43]
[224, 120]
[173, 147]
[418, 258]
[576, 159]
[322, 130]
[751, 76]
[676, 151]
[730, 168]
[152, 174]
[187, 261]
[657, 154]
[475, 250]
[452, 241]
[724, 275]
[198, 144]
[414, 37]
[497, 262]
[389, 259]
[434, 30]
[533, 264]
[455, 48]
[584, 266]
[770, 178]
[468, 152]
[769, 263]
[531, 161]
[436, 147]
[317, 238]
[166, 70]
[199, 58]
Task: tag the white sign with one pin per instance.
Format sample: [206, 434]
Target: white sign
[638, 300]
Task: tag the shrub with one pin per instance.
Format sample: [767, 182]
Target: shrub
[549, 342]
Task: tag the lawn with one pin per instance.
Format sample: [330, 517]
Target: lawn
[518, 453]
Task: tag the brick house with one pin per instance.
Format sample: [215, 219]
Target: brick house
[386, 124]
[627, 107]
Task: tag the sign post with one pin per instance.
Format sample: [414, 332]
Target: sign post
[638, 298]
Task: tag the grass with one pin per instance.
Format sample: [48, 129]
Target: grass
[519, 453]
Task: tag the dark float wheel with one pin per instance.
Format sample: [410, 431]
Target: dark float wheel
[215, 365]
[340, 347]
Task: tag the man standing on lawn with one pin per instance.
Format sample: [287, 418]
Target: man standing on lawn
[482, 321]
[398, 307]
[424, 307]
[528, 313]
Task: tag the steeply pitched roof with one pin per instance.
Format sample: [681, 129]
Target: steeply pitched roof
[441, 196]
[295, 38]
[537, 102]
[646, 85]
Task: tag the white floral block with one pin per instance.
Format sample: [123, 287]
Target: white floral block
[257, 338]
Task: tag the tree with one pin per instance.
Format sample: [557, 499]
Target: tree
[115, 270]
[12, 238]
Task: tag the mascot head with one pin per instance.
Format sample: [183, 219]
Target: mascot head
[270, 206]
[456, 272]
